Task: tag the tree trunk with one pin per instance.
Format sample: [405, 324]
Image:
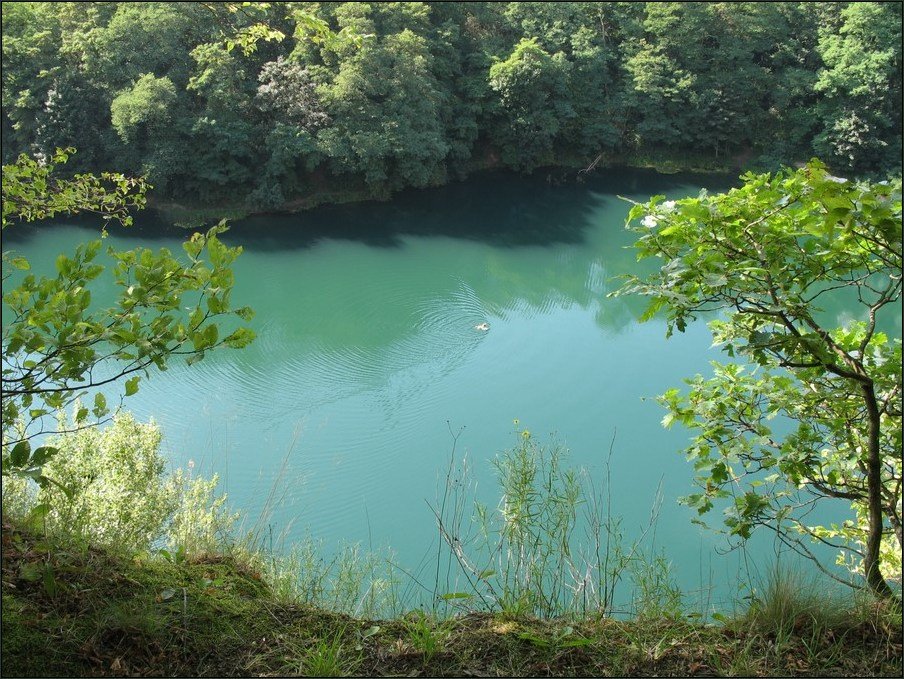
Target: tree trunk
[874, 578]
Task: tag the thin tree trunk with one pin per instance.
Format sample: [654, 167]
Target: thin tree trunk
[874, 578]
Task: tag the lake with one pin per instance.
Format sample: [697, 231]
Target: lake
[368, 361]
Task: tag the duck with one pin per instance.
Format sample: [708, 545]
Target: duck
[482, 326]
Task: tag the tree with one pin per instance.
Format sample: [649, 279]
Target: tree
[697, 74]
[147, 104]
[861, 86]
[532, 103]
[419, 92]
[767, 257]
[58, 345]
[793, 62]
[385, 106]
[29, 48]
[582, 31]
[223, 134]
[287, 92]
[287, 101]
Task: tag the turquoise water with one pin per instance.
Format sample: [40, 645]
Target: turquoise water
[367, 360]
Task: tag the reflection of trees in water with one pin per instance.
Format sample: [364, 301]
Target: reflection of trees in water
[548, 250]
[497, 208]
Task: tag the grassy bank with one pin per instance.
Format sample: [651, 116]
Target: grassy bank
[71, 611]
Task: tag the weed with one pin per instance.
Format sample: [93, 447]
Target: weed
[550, 548]
[823, 648]
[561, 638]
[656, 596]
[118, 496]
[425, 635]
[212, 617]
[328, 659]
[787, 603]
[738, 660]
[71, 608]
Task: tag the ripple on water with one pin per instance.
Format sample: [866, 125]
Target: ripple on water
[290, 382]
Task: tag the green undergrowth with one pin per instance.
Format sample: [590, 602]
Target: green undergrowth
[83, 611]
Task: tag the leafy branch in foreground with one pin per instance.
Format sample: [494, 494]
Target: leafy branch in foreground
[57, 345]
[768, 257]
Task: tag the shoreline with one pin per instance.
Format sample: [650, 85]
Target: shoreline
[567, 170]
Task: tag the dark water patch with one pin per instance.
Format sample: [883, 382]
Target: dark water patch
[497, 208]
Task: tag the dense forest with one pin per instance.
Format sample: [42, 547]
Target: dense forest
[258, 105]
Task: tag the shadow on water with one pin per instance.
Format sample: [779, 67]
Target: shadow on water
[498, 208]
[379, 302]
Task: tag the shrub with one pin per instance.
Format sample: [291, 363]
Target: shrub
[119, 495]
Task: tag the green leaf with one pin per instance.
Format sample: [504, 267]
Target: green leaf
[37, 514]
[132, 385]
[534, 639]
[45, 481]
[100, 405]
[19, 455]
[455, 595]
[31, 572]
[241, 337]
[246, 313]
[575, 643]
[49, 582]
[42, 454]
[20, 263]
[194, 358]
[669, 230]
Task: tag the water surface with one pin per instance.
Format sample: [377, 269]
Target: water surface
[367, 360]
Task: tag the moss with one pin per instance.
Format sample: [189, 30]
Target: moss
[22, 639]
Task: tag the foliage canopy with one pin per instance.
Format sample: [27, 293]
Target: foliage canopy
[256, 104]
[816, 414]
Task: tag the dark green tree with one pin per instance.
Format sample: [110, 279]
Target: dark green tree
[385, 105]
[860, 110]
[417, 92]
[531, 103]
